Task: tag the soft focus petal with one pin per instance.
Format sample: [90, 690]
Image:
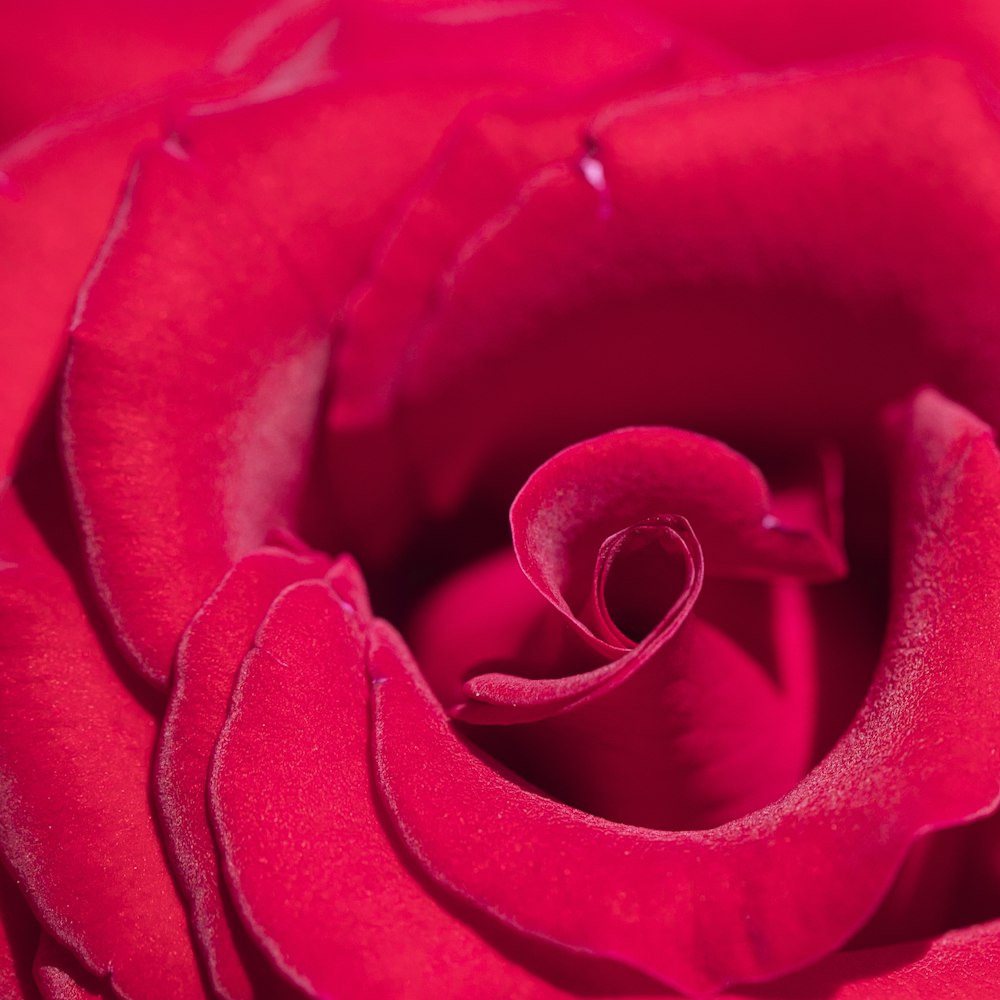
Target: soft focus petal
[242, 248]
[960, 965]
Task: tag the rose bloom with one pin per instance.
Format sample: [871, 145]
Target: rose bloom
[502, 500]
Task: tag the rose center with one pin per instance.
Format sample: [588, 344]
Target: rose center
[642, 573]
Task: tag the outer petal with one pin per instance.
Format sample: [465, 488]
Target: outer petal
[782, 32]
[49, 233]
[75, 750]
[759, 896]
[313, 872]
[221, 275]
[59, 184]
[209, 655]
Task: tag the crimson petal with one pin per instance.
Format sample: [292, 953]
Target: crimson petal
[209, 655]
[315, 876]
[792, 202]
[18, 940]
[577, 510]
[959, 965]
[706, 909]
[76, 746]
[60, 976]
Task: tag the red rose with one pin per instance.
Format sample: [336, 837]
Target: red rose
[705, 297]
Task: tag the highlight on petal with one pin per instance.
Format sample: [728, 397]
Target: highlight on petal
[75, 750]
[315, 877]
[210, 653]
[759, 896]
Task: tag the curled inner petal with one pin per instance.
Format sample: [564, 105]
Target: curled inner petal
[639, 570]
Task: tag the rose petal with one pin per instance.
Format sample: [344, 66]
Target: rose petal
[48, 236]
[57, 56]
[312, 870]
[18, 940]
[59, 184]
[59, 976]
[961, 964]
[592, 490]
[209, 655]
[577, 502]
[239, 445]
[242, 248]
[490, 612]
[75, 746]
[774, 206]
[781, 32]
[702, 910]
[494, 146]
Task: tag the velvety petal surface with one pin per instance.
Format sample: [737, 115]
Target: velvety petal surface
[59, 183]
[48, 236]
[727, 221]
[756, 897]
[210, 653]
[315, 876]
[19, 932]
[75, 751]
[59, 976]
[248, 329]
[960, 965]
[56, 56]
[782, 32]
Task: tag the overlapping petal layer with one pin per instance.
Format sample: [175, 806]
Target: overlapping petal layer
[76, 743]
[236, 301]
[212, 648]
[783, 225]
[758, 896]
[314, 874]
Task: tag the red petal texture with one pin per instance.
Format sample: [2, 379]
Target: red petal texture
[595, 489]
[57, 56]
[703, 910]
[778, 32]
[18, 940]
[48, 236]
[248, 328]
[59, 183]
[314, 874]
[729, 220]
[210, 652]
[685, 708]
[75, 751]
[498, 144]
[960, 965]
[60, 977]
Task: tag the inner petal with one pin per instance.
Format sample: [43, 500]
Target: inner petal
[642, 573]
